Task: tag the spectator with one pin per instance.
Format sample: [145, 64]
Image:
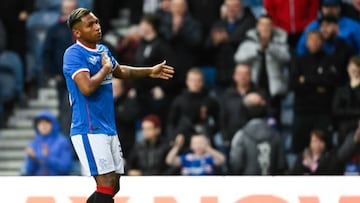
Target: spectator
[256, 6]
[106, 11]
[58, 39]
[155, 96]
[312, 80]
[202, 160]
[193, 111]
[340, 52]
[267, 52]
[50, 153]
[225, 36]
[148, 156]
[164, 8]
[127, 45]
[125, 103]
[352, 10]
[206, 12]
[348, 28]
[316, 159]
[233, 112]
[346, 103]
[257, 149]
[292, 16]
[183, 33]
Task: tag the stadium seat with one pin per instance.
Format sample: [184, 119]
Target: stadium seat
[48, 5]
[8, 84]
[12, 59]
[210, 75]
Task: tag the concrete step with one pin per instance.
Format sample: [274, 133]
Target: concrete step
[9, 173]
[44, 104]
[7, 165]
[47, 93]
[13, 144]
[12, 155]
[9, 134]
[21, 124]
[31, 113]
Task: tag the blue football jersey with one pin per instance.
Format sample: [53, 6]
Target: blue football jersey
[92, 114]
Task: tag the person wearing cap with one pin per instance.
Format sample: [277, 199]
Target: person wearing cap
[348, 28]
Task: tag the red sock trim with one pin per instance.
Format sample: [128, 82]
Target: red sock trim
[105, 189]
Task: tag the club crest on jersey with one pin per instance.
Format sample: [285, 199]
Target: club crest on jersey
[93, 60]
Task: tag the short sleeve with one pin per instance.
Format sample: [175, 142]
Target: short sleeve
[74, 63]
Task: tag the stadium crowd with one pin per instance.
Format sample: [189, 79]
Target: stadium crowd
[262, 87]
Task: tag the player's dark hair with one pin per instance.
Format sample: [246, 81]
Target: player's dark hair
[76, 15]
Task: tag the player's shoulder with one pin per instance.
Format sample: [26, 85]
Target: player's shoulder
[72, 49]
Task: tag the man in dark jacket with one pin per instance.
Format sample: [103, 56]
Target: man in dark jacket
[155, 96]
[193, 111]
[312, 80]
[257, 149]
[233, 115]
[225, 36]
[346, 103]
[183, 33]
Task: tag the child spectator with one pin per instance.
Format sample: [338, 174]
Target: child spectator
[203, 159]
[50, 153]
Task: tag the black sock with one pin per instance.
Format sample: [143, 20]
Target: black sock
[103, 198]
[91, 199]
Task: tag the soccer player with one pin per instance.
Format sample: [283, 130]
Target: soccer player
[88, 70]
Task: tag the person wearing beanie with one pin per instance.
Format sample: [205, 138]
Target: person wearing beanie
[148, 156]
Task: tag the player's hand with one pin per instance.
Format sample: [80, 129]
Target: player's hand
[106, 62]
[162, 71]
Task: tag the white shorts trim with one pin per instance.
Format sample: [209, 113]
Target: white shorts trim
[99, 153]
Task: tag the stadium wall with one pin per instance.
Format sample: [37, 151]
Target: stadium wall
[184, 189]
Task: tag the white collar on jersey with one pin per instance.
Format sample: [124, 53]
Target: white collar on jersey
[85, 47]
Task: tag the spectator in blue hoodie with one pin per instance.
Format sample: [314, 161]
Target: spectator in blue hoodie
[348, 28]
[50, 153]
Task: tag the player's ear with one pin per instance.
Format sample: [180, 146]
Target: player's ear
[76, 33]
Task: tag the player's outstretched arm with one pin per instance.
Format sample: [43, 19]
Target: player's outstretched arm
[160, 70]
